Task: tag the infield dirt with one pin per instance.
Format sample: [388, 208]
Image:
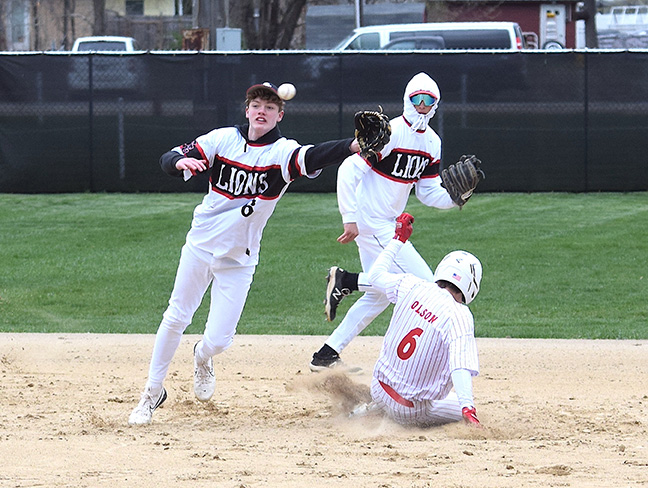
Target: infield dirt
[570, 413]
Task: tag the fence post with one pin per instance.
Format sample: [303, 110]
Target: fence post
[120, 138]
[91, 122]
[585, 122]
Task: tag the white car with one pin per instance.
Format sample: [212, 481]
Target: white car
[105, 43]
[115, 67]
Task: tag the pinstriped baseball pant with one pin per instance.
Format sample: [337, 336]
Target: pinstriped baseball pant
[420, 413]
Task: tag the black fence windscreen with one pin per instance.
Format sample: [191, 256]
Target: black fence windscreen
[539, 121]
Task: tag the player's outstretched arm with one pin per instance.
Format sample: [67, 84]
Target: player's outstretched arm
[379, 276]
[328, 153]
[462, 383]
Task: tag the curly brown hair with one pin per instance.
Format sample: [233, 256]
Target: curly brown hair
[264, 94]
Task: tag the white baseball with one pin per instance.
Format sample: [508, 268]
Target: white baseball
[287, 91]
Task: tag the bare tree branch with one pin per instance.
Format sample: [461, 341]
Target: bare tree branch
[267, 24]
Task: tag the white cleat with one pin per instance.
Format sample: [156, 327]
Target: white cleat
[143, 412]
[365, 409]
[204, 379]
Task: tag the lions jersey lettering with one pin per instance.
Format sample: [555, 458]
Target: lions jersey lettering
[406, 166]
[234, 180]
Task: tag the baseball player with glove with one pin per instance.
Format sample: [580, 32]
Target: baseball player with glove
[250, 168]
[429, 346]
[373, 189]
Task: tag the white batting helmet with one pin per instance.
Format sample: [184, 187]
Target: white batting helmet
[463, 270]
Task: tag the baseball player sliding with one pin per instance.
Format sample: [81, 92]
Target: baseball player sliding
[372, 191]
[430, 345]
[250, 169]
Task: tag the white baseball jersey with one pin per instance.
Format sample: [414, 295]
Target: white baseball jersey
[429, 336]
[371, 192]
[247, 180]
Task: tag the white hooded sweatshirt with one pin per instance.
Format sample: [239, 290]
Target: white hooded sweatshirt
[373, 193]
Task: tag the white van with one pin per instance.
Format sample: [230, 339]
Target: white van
[446, 35]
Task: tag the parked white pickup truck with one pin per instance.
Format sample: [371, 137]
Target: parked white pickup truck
[115, 67]
[105, 43]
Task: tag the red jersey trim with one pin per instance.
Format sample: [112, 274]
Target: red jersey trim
[391, 178]
[201, 151]
[257, 169]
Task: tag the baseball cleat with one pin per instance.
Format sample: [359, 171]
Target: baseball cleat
[143, 412]
[365, 409]
[332, 362]
[335, 292]
[204, 380]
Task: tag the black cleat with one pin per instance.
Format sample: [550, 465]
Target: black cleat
[326, 358]
[334, 292]
[322, 363]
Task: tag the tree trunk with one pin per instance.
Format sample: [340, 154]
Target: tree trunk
[35, 26]
[99, 25]
[267, 24]
[208, 14]
[289, 23]
[3, 23]
[67, 41]
[591, 36]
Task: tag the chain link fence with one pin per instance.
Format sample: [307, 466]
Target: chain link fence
[540, 121]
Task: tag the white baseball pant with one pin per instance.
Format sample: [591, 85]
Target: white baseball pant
[196, 271]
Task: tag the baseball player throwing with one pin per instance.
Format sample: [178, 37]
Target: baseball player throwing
[250, 169]
[430, 345]
[371, 193]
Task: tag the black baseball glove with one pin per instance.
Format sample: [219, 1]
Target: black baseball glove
[460, 179]
[372, 130]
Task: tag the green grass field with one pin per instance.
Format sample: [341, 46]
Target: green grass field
[555, 265]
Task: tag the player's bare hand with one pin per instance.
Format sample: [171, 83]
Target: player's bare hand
[354, 147]
[469, 415]
[349, 234]
[192, 164]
